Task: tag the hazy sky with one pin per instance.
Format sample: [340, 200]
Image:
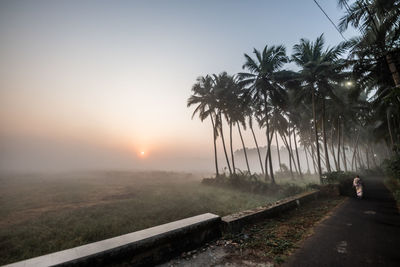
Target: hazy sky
[91, 84]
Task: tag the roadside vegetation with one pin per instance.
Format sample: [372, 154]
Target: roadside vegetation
[256, 185]
[392, 171]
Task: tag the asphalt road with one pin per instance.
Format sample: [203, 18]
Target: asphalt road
[362, 232]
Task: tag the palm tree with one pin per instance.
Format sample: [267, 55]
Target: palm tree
[319, 68]
[220, 85]
[205, 100]
[379, 24]
[375, 58]
[263, 86]
[236, 106]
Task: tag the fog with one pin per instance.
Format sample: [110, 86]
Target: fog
[31, 154]
[24, 154]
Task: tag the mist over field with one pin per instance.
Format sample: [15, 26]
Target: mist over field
[46, 154]
[21, 154]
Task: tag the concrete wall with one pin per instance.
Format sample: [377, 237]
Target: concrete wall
[235, 222]
[141, 248]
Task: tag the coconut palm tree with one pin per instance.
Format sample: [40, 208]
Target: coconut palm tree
[319, 69]
[379, 24]
[205, 100]
[263, 85]
[235, 111]
[375, 58]
[221, 85]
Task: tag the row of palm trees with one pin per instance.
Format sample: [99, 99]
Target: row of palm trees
[332, 105]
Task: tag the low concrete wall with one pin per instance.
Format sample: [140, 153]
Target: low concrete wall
[142, 248]
[234, 223]
[161, 243]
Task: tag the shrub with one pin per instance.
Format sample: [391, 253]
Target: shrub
[243, 181]
[290, 190]
[313, 186]
[392, 170]
[337, 177]
[343, 179]
[392, 167]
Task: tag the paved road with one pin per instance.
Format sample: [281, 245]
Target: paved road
[359, 233]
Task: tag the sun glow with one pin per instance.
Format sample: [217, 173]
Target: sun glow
[142, 154]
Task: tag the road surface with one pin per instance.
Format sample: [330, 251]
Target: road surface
[362, 232]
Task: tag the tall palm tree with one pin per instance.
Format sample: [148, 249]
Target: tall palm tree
[221, 85]
[205, 100]
[263, 86]
[318, 69]
[236, 108]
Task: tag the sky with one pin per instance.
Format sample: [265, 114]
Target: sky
[93, 84]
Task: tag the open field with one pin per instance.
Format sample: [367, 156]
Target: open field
[42, 213]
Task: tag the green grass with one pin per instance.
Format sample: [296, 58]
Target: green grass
[40, 214]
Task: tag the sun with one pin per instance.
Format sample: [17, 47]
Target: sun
[142, 153]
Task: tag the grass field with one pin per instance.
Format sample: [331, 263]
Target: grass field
[43, 213]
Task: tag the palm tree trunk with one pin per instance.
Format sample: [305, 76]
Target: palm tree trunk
[270, 140]
[328, 165]
[338, 149]
[215, 146]
[316, 136]
[230, 140]
[322, 158]
[297, 152]
[388, 150]
[308, 165]
[279, 154]
[291, 150]
[266, 175]
[373, 156]
[258, 149]
[355, 151]
[313, 157]
[359, 159]
[244, 148]
[224, 146]
[271, 169]
[393, 69]
[390, 130]
[332, 149]
[344, 155]
[289, 154]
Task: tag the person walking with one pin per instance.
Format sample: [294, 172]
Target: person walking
[357, 184]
